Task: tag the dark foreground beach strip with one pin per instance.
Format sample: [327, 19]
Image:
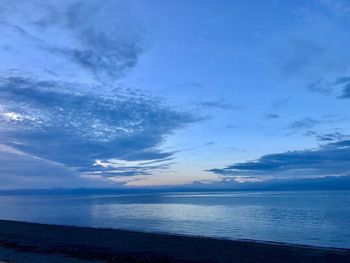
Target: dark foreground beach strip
[108, 245]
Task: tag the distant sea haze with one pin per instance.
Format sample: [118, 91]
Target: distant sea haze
[318, 218]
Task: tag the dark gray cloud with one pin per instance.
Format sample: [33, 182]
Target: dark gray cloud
[335, 136]
[346, 92]
[209, 143]
[271, 116]
[332, 159]
[57, 122]
[218, 104]
[344, 83]
[100, 37]
[280, 103]
[115, 169]
[308, 125]
[327, 87]
[327, 137]
[21, 170]
[342, 80]
[319, 86]
[92, 130]
[304, 123]
[16, 163]
[302, 55]
[235, 149]
[312, 50]
[109, 42]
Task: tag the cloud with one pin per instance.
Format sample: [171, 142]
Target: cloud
[319, 86]
[342, 80]
[65, 123]
[100, 37]
[322, 183]
[336, 7]
[335, 136]
[326, 88]
[271, 116]
[302, 56]
[328, 137]
[60, 99]
[109, 43]
[308, 123]
[278, 104]
[128, 168]
[346, 92]
[218, 104]
[314, 50]
[332, 159]
[344, 83]
[303, 124]
[311, 51]
[19, 169]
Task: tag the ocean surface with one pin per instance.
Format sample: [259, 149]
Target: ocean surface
[317, 218]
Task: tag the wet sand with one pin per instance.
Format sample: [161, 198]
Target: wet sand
[36, 243]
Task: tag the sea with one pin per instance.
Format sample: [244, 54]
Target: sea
[316, 218]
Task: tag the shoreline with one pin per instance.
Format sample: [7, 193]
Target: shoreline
[112, 245]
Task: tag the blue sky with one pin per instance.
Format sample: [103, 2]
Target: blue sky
[153, 93]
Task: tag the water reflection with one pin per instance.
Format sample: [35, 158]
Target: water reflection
[314, 218]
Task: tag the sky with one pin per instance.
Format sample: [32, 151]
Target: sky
[172, 93]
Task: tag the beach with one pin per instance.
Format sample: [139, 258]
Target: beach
[36, 243]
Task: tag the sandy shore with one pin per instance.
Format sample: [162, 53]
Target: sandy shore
[36, 243]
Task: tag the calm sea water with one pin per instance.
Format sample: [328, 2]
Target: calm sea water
[310, 218]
